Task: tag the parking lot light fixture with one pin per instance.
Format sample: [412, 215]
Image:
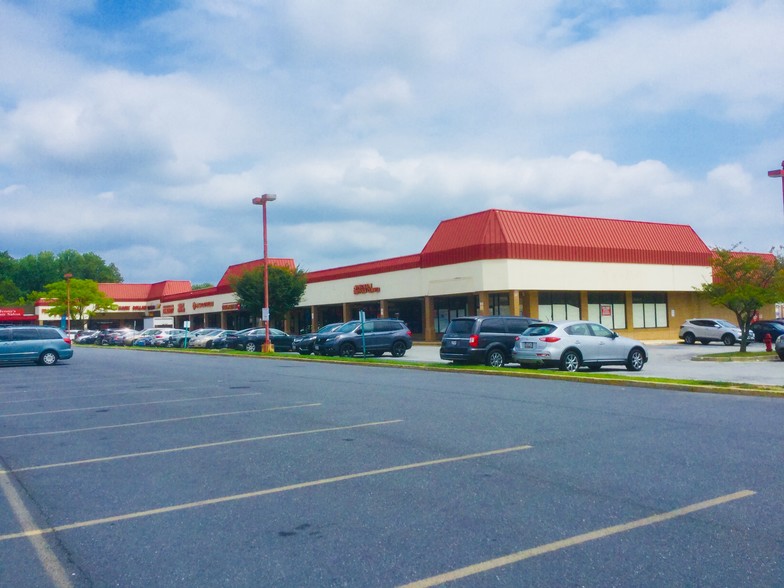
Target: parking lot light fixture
[778, 173]
[262, 200]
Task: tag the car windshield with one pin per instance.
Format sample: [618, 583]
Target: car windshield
[727, 324]
[348, 327]
[328, 328]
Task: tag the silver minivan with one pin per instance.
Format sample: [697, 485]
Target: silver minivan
[44, 345]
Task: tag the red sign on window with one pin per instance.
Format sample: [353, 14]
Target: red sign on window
[606, 310]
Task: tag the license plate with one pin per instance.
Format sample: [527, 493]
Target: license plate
[529, 345]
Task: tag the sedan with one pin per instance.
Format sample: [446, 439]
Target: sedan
[570, 345]
[208, 339]
[780, 347]
[254, 339]
[761, 328]
[305, 343]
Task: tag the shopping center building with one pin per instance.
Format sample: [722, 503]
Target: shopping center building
[638, 278]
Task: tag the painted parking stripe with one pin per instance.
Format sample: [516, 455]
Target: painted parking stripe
[572, 541]
[258, 493]
[199, 446]
[160, 421]
[108, 406]
[51, 565]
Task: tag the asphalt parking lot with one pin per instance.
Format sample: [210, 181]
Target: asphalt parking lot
[126, 468]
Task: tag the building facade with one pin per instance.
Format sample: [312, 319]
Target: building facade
[637, 278]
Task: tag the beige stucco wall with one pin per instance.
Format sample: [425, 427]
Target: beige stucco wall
[508, 274]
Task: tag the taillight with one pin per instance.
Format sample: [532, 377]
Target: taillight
[550, 339]
[473, 341]
[67, 340]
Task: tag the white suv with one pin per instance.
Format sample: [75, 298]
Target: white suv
[707, 330]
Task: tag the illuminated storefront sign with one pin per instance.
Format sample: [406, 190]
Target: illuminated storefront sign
[366, 289]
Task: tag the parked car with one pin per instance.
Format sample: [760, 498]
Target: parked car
[85, 337]
[144, 340]
[780, 347]
[206, 339]
[304, 344]
[44, 345]
[761, 328]
[131, 338]
[379, 336]
[118, 337]
[179, 339]
[570, 345]
[229, 340]
[253, 340]
[483, 339]
[166, 337]
[706, 330]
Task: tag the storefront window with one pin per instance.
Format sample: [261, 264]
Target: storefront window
[649, 309]
[608, 309]
[447, 309]
[499, 304]
[557, 306]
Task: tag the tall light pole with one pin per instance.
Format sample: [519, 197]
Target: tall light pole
[68, 301]
[778, 173]
[267, 347]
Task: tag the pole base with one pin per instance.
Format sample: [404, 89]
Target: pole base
[267, 348]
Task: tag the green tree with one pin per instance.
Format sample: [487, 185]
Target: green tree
[285, 289]
[744, 283]
[201, 286]
[85, 299]
[9, 293]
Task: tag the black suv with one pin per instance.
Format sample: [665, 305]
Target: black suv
[380, 335]
[483, 339]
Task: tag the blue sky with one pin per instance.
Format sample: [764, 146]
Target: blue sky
[142, 130]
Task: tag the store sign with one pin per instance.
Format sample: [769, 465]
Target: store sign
[181, 307]
[230, 306]
[366, 289]
[167, 309]
[11, 312]
[606, 310]
[198, 305]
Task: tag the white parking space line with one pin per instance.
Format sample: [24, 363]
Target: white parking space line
[196, 399]
[258, 493]
[160, 421]
[62, 397]
[199, 446]
[572, 541]
[43, 552]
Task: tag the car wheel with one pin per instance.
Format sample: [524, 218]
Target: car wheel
[169, 343]
[398, 349]
[48, 358]
[250, 346]
[728, 339]
[570, 361]
[688, 338]
[635, 361]
[781, 355]
[495, 358]
[347, 350]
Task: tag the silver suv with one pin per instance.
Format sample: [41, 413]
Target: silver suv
[707, 330]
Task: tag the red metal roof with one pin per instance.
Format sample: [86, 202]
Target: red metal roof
[130, 292]
[503, 234]
[363, 269]
[240, 268]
